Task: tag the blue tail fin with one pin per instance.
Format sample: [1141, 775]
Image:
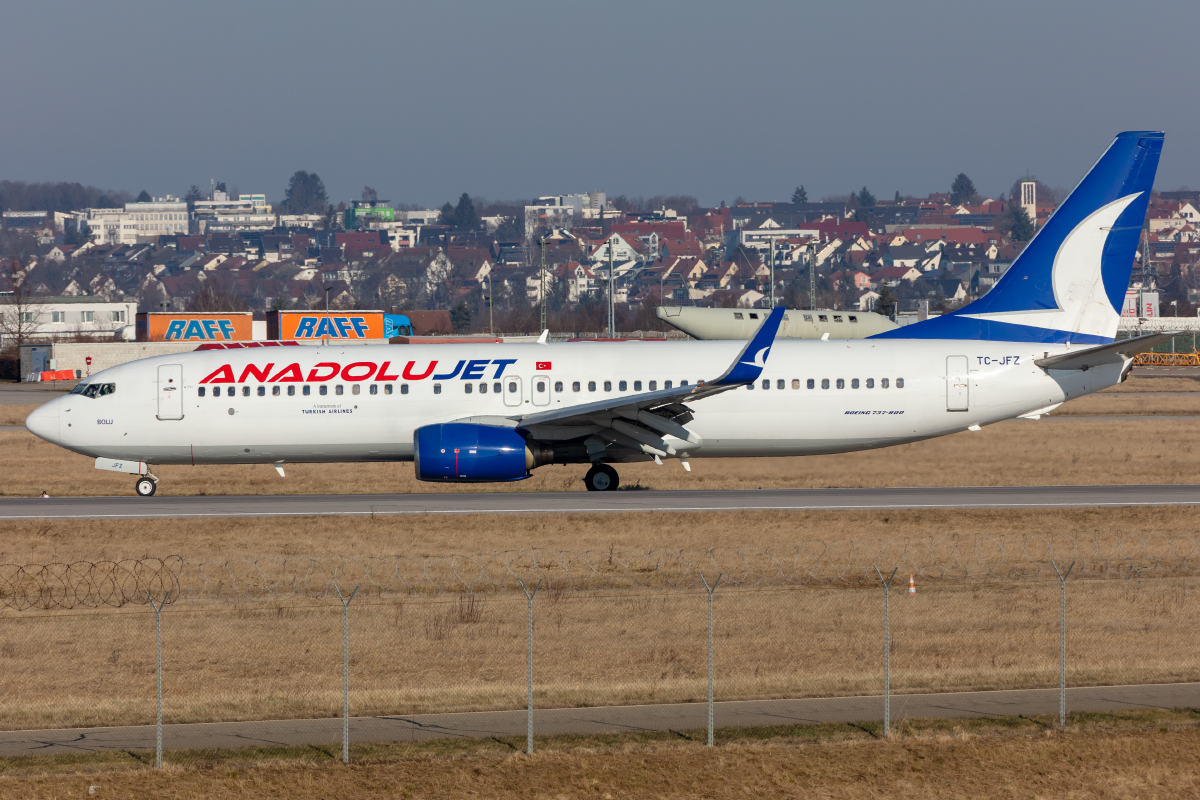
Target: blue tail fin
[1069, 283]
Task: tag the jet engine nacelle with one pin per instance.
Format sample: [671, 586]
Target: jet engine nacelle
[467, 453]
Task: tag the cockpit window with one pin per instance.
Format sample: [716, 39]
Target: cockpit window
[94, 389]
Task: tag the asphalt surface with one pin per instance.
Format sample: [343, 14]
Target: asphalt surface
[592, 502]
[584, 721]
[29, 397]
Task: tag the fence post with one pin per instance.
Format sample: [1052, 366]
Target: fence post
[158, 671]
[1062, 643]
[529, 696]
[887, 653]
[710, 591]
[345, 670]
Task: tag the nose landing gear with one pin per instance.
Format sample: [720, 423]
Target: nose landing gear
[601, 478]
[145, 486]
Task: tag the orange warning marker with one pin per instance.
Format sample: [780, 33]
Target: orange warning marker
[912, 586]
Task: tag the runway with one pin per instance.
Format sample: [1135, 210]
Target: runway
[598, 502]
[584, 721]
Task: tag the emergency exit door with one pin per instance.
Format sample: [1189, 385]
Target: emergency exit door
[170, 391]
[512, 391]
[957, 384]
[540, 390]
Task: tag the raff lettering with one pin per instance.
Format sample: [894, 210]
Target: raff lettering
[360, 326]
[194, 330]
[305, 329]
[226, 328]
[175, 329]
[343, 326]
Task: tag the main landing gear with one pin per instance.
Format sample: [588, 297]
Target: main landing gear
[145, 486]
[601, 478]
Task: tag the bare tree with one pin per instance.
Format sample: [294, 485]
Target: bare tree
[20, 310]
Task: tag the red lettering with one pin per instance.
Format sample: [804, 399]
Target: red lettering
[383, 376]
[313, 377]
[358, 365]
[289, 374]
[260, 375]
[223, 375]
[408, 376]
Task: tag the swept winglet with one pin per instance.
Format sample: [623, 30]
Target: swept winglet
[747, 370]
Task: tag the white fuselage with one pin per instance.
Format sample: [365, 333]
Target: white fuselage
[362, 419]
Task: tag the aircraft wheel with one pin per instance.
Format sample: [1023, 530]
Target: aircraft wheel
[601, 478]
[145, 487]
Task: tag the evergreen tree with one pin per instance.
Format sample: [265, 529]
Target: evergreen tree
[448, 217]
[800, 195]
[899, 199]
[144, 196]
[460, 318]
[1018, 223]
[886, 304]
[305, 194]
[464, 213]
[962, 190]
[193, 194]
[866, 199]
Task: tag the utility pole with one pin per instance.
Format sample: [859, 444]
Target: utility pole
[812, 277]
[491, 306]
[772, 272]
[542, 326]
[611, 311]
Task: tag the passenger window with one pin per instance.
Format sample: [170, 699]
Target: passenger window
[199, 392]
[337, 389]
[324, 390]
[437, 388]
[766, 383]
[496, 387]
[854, 383]
[274, 391]
[883, 383]
[854, 319]
[622, 386]
[591, 386]
[483, 388]
[653, 386]
[780, 384]
[245, 391]
[750, 386]
[754, 316]
[558, 387]
[608, 386]
[870, 383]
[403, 389]
[824, 383]
[666, 384]
[355, 389]
[292, 391]
[796, 383]
[307, 390]
[262, 391]
[812, 384]
[837, 317]
[637, 386]
[738, 315]
[374, 388]
[841, 384]
[899, 383]
[823, 318]
[468, 388]
[512, 388]
[683, 383]
[575, 386]
[541, 387]
[808, 317]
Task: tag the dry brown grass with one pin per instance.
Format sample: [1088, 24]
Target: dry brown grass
[15, 415]
[1107, 761]
[424, 655]
[1163, 380]
[65, 541]
[1009, 453]
[1184, 404]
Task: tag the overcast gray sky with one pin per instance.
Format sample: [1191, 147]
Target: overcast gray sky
[425, 100]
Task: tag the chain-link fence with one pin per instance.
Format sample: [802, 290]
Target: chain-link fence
[311, 638]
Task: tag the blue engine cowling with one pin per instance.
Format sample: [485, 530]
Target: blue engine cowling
[468, 453]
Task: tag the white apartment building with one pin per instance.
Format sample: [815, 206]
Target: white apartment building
[51, 319]
[557, 211]
[250, 212]
[137, 222]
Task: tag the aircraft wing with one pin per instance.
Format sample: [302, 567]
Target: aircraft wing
[640, 421]
[1115, 353]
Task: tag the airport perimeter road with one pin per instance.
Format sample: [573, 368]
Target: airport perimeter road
[583, 721]
[594, 502]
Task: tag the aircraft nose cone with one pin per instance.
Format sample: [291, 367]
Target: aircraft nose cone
[43, 422]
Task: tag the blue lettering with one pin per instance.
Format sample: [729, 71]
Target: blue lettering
[343, 326]
[325, 329]
[210, 328]
[226, 328]
[305, 328]
[194, 330]
[474, 370]
[501, 363]
[449, 375]
[175, 329]
[360, 326]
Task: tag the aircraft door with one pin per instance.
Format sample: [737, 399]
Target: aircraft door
[541, 390]
[170, 391]
[512, 391]
[957, 384]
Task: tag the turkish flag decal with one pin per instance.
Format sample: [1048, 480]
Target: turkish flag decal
[543, 365]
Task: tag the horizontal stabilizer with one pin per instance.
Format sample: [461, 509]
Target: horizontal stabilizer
[1115, 353]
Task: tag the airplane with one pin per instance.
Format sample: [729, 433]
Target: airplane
[495, 412]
